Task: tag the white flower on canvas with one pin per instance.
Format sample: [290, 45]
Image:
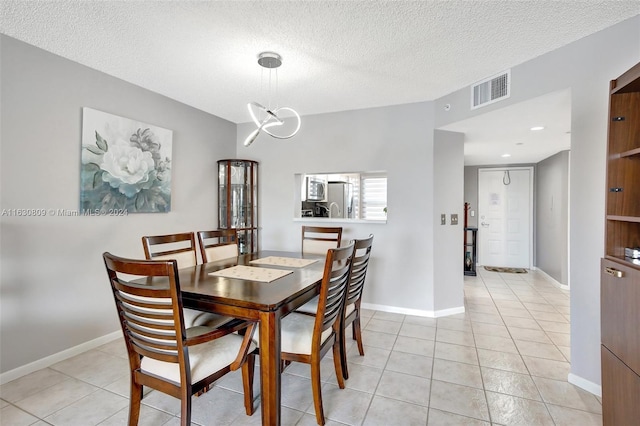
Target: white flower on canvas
[129, 169]
[125, 164]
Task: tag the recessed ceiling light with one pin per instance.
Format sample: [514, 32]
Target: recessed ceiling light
[505, 155]
[537, 128]
[519, 143]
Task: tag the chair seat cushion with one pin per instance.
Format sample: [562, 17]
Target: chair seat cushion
[311, 307]
[204, 359]
[194, 318]
[297, 333]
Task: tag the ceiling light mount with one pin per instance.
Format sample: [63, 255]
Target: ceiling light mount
[267, 117]
[269, 60]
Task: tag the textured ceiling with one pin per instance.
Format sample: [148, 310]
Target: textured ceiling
[337, 55]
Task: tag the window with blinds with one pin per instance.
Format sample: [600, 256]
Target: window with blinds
[373, 196]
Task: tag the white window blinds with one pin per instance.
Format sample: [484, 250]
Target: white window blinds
[373, 193]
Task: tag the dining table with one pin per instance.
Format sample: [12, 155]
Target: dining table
[231, 287]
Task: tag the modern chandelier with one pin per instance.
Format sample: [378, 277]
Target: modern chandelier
[270, 117]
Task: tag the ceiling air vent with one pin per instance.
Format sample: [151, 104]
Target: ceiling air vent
[491, 90]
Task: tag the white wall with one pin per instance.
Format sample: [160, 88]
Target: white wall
[448, 239]
[396, 139]
[586, 67]
[552, 216]
[54, 292]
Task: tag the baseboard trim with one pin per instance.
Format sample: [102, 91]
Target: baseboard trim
[416, 312]
[551, 279]
[23, 370]
[585, 384]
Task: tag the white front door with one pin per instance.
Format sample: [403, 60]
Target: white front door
[505, 214]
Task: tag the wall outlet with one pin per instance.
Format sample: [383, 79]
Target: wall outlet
[443, 219]
[454, 219]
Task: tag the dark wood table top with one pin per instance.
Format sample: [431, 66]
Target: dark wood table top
[197, 283]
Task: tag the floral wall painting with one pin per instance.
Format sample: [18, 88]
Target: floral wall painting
[126, 164]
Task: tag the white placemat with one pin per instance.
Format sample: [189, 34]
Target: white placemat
[289, 262]
[251, 273]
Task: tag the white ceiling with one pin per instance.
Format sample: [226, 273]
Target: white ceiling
[337, 55]
[508, 131]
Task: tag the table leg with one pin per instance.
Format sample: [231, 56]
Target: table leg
[270, 367]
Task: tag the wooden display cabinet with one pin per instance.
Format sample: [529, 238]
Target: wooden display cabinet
[238, 201]
[620, 275]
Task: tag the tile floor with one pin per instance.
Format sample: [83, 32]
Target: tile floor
[503, 362]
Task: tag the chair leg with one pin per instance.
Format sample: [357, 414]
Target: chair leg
[337, 362]
[342, 338]
[247, 382]
[357, 334]
[316, 385]
[284, 364]
[185, 407]
[134, 403]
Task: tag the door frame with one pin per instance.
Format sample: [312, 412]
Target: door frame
[531, 209]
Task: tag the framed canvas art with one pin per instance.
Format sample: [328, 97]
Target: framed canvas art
[126, 164]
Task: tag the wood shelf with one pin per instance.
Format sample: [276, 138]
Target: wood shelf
[630, 153]
[627, 82]
[631, 219]
[620, 277]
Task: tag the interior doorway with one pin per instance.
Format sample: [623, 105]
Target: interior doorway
[505, 217]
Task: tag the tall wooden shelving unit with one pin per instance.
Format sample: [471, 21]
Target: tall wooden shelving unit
[238, 201]
[620, 275]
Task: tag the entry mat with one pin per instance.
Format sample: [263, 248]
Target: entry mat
[507, 270]
[251, 273]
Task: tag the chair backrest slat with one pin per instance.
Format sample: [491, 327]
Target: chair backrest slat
[217, 244]
[334, 286]
[319, 239]
[150, 315]
[181, 247]
[359, 269]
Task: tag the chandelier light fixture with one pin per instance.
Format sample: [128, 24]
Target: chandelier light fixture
[271, 117]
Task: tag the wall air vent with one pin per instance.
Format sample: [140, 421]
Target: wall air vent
[490, 90]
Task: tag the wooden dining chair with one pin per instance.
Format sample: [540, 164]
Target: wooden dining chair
[351, 314]
[354, 298]
[306, 338]
[319, 239]
[217, 244]
[182, 248]
[163, 353]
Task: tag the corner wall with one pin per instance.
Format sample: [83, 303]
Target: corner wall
[395, 139]
[448, 250]
[54, 292]
[552, 216]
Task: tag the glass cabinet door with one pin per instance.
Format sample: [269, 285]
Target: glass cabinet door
[237, 201]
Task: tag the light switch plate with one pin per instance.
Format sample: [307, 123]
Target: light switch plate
[454, 219]
[443, 219]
